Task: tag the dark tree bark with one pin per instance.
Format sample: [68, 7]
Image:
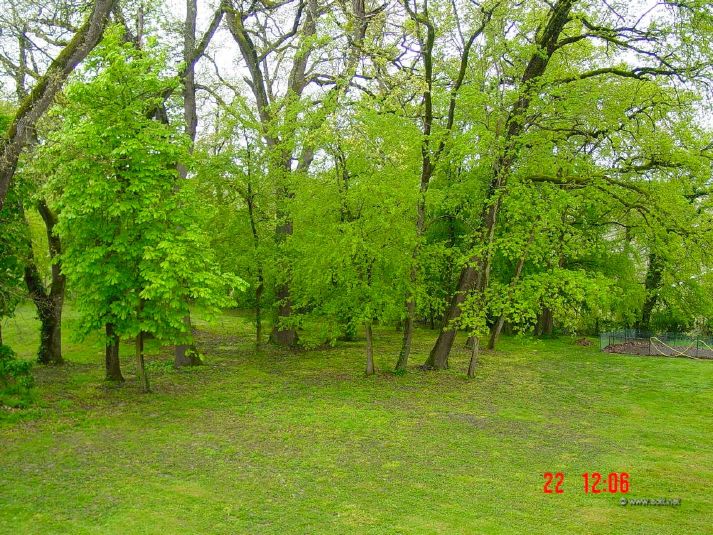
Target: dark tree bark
[370, 370]
[473, 357]
[140, 367]
[545, 323]
[652, 284]
[112, 362]
[475, 274]
[34, 105]
[49, 303]
[186, 354]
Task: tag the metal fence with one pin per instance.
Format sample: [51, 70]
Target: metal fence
[670, 344]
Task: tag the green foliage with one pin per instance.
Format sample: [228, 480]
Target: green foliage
[16, 379]
[13, 237]
[13, 250]
[356, 220]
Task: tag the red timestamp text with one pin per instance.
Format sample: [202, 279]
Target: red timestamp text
[594, 483]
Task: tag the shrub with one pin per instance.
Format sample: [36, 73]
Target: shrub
[16, 379]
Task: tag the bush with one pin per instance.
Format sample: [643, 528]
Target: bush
[16, 379]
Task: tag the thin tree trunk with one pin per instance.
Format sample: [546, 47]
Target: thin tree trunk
[407, 336]
[473, 357]
[187, 354]
[112, 362]
[140, 367]
[260, 286]
[495, 331]
[429, 157]
[370, 370]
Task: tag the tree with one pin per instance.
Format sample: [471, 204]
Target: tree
[543, 75]
[283, 62]
[132, 244]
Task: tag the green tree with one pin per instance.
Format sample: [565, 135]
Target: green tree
[133, 248]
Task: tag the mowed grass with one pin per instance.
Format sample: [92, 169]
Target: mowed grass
[277, 442]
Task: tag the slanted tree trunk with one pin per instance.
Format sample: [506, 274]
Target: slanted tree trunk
[438, 357]
[370, 370]
[140, 367]
[112, 362]
[34, 105]
[476, 272]
[495, 331]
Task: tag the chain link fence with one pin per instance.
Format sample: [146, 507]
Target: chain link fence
[670, 344]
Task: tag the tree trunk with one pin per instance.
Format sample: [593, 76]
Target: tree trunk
[407, 337]
[652, 284]
[548, 322]
[46, 87]
[50, 351]
[112, 362]
[186, 354]
[49, 304]
[258, 311]
[260, 286]
[473, 357]
[140, 368]
[49, 312]
[495, 331]
[282, 335]
[370, 370]
[438, 358]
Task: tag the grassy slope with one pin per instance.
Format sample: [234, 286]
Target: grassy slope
[277, 443]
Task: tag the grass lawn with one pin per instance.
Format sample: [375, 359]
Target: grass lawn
[273, 442]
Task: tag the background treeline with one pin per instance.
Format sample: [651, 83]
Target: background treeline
[477, 166]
